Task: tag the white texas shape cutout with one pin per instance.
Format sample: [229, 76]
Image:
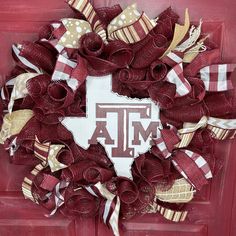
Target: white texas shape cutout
[124, 126]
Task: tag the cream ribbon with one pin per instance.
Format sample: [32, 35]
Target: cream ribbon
[13, 123]
[75, 29]
[179, 34]
[180, 192]
[20, 90]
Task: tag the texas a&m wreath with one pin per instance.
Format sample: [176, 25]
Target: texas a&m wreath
[118, 114]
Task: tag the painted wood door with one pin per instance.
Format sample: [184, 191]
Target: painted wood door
[213, 214]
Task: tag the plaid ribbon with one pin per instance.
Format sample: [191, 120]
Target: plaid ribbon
[74, 73]
[112, 206]
[28, 183]
[216, 78]
[176, 76]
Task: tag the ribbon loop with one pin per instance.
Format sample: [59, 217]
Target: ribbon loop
[74, 73]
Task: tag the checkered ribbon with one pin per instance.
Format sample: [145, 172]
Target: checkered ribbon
[191, 166]
[112, 206]
[216, 78]
[74, 73]
[86, 8]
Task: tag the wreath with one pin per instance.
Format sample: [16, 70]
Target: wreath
[176, 65]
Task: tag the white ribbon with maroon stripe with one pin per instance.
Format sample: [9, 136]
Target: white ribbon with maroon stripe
[112, 206]
[200, 163]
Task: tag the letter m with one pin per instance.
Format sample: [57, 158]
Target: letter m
[138, 129]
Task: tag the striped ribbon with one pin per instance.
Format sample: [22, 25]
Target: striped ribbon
[222, 129]
[28, 182]
[176, 216]
[216, 78]
[112, 206]
[47, 153]
[41, 150]
[169, 214]
[186, 134]
[135, 32]
[86, 8]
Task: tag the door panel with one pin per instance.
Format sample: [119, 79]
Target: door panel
[211, 214]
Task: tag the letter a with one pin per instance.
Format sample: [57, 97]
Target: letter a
[101, 132]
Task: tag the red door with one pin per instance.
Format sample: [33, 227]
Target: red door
[213, 214]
